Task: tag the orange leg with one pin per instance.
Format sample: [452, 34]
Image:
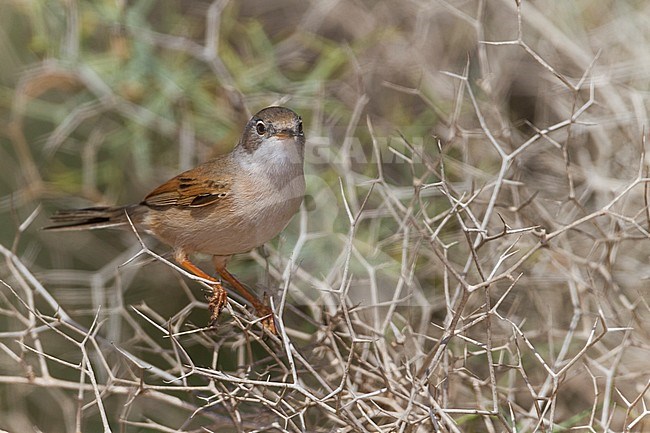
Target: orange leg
[219, 296]
[262, 310]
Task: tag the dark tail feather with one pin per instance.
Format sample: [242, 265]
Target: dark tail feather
[92, 218]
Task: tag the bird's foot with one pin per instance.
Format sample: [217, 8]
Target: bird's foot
[266, 314]
[216, 302]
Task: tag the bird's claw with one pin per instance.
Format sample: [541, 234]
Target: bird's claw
[268, 321]
[266, 315]
[216, 302]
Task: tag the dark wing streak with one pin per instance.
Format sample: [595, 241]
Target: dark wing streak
[186, 191]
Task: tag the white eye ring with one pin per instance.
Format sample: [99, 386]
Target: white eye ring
[260, 127]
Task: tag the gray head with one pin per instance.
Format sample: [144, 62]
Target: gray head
[276, 126]
[272, 148]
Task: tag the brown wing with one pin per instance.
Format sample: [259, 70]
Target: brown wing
[194, 188]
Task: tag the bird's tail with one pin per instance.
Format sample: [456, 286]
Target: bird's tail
[94, 218]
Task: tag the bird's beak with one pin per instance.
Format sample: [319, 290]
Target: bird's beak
[283, 135]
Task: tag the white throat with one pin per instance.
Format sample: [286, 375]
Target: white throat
[277, 160]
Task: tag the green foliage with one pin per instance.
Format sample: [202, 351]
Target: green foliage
[423, 293]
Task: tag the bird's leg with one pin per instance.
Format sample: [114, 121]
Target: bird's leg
[219, 297]
[264, 311]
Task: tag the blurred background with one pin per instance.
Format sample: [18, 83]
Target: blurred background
[472, 251]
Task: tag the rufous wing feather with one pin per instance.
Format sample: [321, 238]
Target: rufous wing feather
[188, 190]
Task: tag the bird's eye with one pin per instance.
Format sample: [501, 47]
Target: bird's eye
[260, 127]
[300, 125]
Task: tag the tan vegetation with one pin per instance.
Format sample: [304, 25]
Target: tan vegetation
[472, 254]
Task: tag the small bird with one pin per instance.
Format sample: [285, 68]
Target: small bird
[227, 205]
